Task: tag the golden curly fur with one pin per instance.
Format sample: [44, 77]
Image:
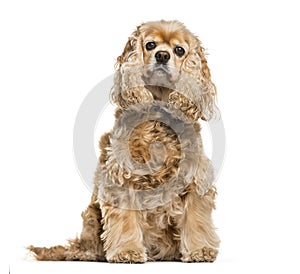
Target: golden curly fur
[128, 220]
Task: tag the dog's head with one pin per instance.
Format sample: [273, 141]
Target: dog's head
[161, 57]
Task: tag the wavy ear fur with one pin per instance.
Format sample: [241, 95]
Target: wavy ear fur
[130, 49]
[196, 66]
[128, 86]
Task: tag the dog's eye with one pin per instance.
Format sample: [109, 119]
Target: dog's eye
[150, 46]
[179, 51]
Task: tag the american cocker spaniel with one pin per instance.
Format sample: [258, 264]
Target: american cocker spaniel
[154, 192]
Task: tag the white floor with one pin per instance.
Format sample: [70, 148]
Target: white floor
[241, 262]
[232, 267]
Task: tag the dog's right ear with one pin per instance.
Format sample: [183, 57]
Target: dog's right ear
[128, 88]
[131, 51]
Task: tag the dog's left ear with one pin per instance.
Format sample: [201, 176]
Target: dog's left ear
[196, 66]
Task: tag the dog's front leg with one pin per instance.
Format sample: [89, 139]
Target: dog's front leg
[122, 236]
[199, 240]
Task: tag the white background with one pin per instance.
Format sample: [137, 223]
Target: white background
[52, 53]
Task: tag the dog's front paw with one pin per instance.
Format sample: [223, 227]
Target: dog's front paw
[129, 256]
[186, 105]
[206, 254]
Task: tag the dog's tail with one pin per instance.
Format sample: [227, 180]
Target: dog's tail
[86, 248]
[54, 253]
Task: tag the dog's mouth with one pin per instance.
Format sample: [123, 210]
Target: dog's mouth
[160, 75]
[160, 80]
[158, 71]
[161, 71]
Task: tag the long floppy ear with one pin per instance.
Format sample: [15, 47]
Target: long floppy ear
[128, 86]
[210, 91]
[130, 52]
[202, 90]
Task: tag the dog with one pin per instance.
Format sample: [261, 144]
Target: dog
[153, 189]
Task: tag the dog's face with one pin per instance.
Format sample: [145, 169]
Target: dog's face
[164, 50]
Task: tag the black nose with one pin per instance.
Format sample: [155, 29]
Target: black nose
[162, 57]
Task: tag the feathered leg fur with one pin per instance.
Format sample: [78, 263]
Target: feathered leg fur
[199, 241]
[123, 236]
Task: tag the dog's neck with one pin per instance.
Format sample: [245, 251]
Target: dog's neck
[160, 93]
